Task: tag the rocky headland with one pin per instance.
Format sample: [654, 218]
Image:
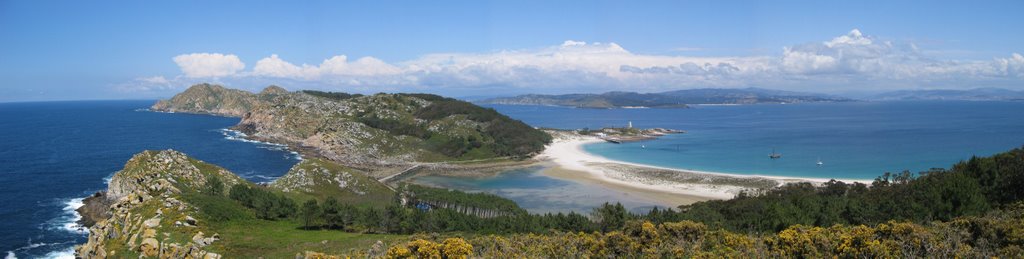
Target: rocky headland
[155, 205]
[147, 214]
[378, 133]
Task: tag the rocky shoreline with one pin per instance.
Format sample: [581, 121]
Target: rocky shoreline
[94, 208]
[142, 207]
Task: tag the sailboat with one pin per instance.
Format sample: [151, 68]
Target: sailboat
[774, 155]
[819, 161]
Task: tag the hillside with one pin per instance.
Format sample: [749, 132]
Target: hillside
[216, 100]
[381, 130]
[671, 99]
[976, 94]
[167, 205]
[319, 179]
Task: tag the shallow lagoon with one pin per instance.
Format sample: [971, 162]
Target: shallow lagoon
[538, 193]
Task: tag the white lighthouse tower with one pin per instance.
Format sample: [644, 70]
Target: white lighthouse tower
[630, 125]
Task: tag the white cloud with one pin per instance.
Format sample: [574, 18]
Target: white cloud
[146, 84]
[197, 65]
[854, 37]
[154, 80]
[850, 61]
[274, 66]
[1012, 66]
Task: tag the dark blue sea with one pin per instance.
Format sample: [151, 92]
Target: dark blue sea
[54, 153]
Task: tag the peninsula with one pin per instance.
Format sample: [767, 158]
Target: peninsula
[382, 134]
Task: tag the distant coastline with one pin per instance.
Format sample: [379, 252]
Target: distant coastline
[679, 99]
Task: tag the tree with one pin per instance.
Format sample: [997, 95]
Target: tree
[214, 186]
[332, 213]
[310, 213]
[610, 217]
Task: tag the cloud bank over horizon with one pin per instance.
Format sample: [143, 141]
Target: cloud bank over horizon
[849, 62]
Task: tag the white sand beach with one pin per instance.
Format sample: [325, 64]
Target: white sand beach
[668, 186]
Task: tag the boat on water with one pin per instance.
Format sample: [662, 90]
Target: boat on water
[774, 155]
[819, 162]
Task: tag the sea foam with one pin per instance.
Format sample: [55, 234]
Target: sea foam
[69, 220]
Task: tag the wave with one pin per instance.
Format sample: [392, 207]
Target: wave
[239, 136]
[61, 254]
[106, 180]
[235, 135]
[258, 178]
[69, 220]
[64, 252]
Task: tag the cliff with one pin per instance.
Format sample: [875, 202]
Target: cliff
[161, 204]
[148, 215]
[369, 132]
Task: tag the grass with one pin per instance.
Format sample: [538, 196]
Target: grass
[374, 192]
[283, 239]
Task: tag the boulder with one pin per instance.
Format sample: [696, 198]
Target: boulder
[150, 247]
[152, 223]
[149, 232]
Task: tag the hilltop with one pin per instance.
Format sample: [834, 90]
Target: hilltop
[367, 131]
[671, 99]
[168, 205]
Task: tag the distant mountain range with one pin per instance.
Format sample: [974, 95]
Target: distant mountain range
[671, 99]
[976, 94]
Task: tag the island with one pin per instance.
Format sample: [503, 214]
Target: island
[346, 199]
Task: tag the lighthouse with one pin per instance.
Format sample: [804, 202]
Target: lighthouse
[630, 125]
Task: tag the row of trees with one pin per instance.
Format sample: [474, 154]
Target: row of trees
[331, 95]
[266, 204]
[397, 219]
[970, 188]
[510, 137]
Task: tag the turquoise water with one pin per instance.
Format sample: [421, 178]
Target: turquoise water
[538, 193]
[858, 140]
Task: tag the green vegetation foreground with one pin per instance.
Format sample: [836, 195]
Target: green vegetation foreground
[169, 205]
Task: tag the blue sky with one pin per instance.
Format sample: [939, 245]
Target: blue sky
[62, 50]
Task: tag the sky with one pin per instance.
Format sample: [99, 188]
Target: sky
[82, 50]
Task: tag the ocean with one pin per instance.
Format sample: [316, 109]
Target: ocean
[52, 154]
[855, 140]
